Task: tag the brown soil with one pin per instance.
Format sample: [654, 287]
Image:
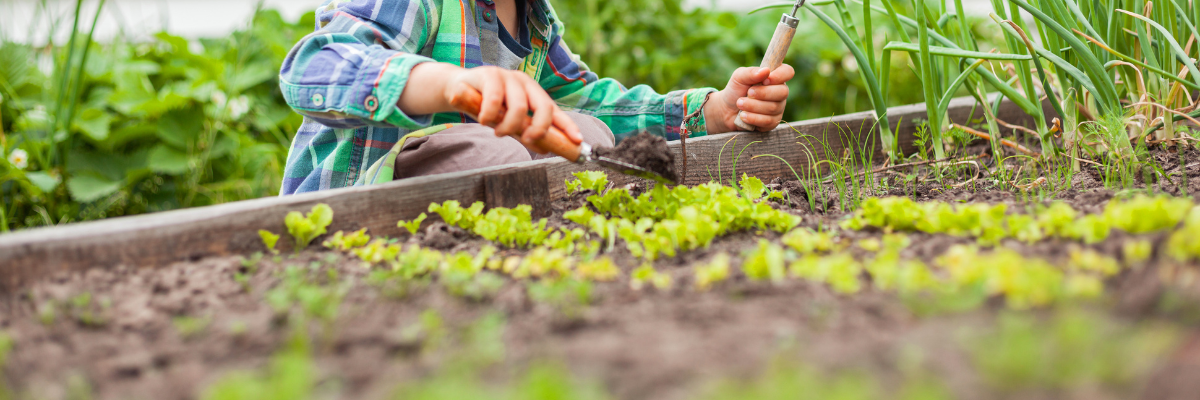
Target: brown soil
[647, 151]
[128, 341]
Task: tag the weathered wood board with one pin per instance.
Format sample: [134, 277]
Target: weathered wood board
[154, 240]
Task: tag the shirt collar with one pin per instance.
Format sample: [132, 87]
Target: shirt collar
[541, 10]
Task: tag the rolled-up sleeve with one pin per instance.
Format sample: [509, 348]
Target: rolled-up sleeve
[351, 71]
[627, 111]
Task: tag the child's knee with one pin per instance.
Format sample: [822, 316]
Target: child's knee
[594, 131]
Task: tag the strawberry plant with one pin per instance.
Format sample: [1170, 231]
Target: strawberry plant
[305, 228]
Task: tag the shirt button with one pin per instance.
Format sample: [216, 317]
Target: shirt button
[318, 100]
[372, 103]
[489, 16]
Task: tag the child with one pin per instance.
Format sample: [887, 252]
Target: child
[374, 83]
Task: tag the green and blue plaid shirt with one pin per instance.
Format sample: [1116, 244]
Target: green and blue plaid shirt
[346, 79]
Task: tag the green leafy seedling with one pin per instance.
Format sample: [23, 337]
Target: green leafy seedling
[305, 228]
[414, 225]
[269, 240]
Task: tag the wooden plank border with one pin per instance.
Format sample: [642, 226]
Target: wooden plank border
[153, 240]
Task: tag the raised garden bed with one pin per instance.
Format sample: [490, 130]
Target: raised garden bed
[837, 291]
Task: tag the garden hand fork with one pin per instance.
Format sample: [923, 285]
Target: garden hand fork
[776, 51]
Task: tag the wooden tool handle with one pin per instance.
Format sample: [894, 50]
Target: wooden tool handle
[469, 100]
[776, 51]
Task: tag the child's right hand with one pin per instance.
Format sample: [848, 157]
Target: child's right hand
[520, 95]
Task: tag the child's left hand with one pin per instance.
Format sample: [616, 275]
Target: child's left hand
[757, 93]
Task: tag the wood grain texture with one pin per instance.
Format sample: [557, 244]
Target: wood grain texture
[511, 188]
[155, 240]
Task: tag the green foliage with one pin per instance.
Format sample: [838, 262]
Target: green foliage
[1144, 214]
[713, 273]
[301, 290]
[1074, 349]
[599, 270]
[794, 381]
[135, 127]
[765, 263]
[346, 242]
[1184, 244]
[189, 327]
[990, 224]
[567, 296]
[269, 240]
[412, 226]
[840, 271]
[305, 228]
[292, 375]
[595, 181]
[646, 275]
[665, 220]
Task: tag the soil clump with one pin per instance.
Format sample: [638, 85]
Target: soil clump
[644, 150]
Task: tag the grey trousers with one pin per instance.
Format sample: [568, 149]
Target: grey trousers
[472, 146]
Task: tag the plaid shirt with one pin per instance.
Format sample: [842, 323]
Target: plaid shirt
[346, 79]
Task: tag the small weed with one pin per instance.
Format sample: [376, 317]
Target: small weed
[567, 296]
[190, 327]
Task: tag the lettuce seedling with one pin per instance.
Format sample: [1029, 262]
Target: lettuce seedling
[305, 228]
[647, 275]
[1091, 229]
[1091, 261]
[840, 271]
[595, 181]
[752, 188]
[412, 226]
[765, 262]
[1184, 244]
[269, 240]
[377, 252]
[1144, 214]
[714, 272]
[1057, 220]
[806, 241]
[344, 243]
[1025, 228]
[600, 270]
[1137, 251]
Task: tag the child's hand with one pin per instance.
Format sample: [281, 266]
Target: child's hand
[757, 93]
[519, 95]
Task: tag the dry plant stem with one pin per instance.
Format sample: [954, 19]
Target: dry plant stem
[914, 164]
[1035, 184]
[978, 171]
[1005, 142]
[1019, 128]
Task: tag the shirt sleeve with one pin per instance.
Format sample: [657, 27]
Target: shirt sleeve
[351, 71]
[627, 111]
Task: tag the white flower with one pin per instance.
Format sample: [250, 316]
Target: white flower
[239, 107]
[825, 68]
[850, 64]
[19, 158]
[218, 98]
